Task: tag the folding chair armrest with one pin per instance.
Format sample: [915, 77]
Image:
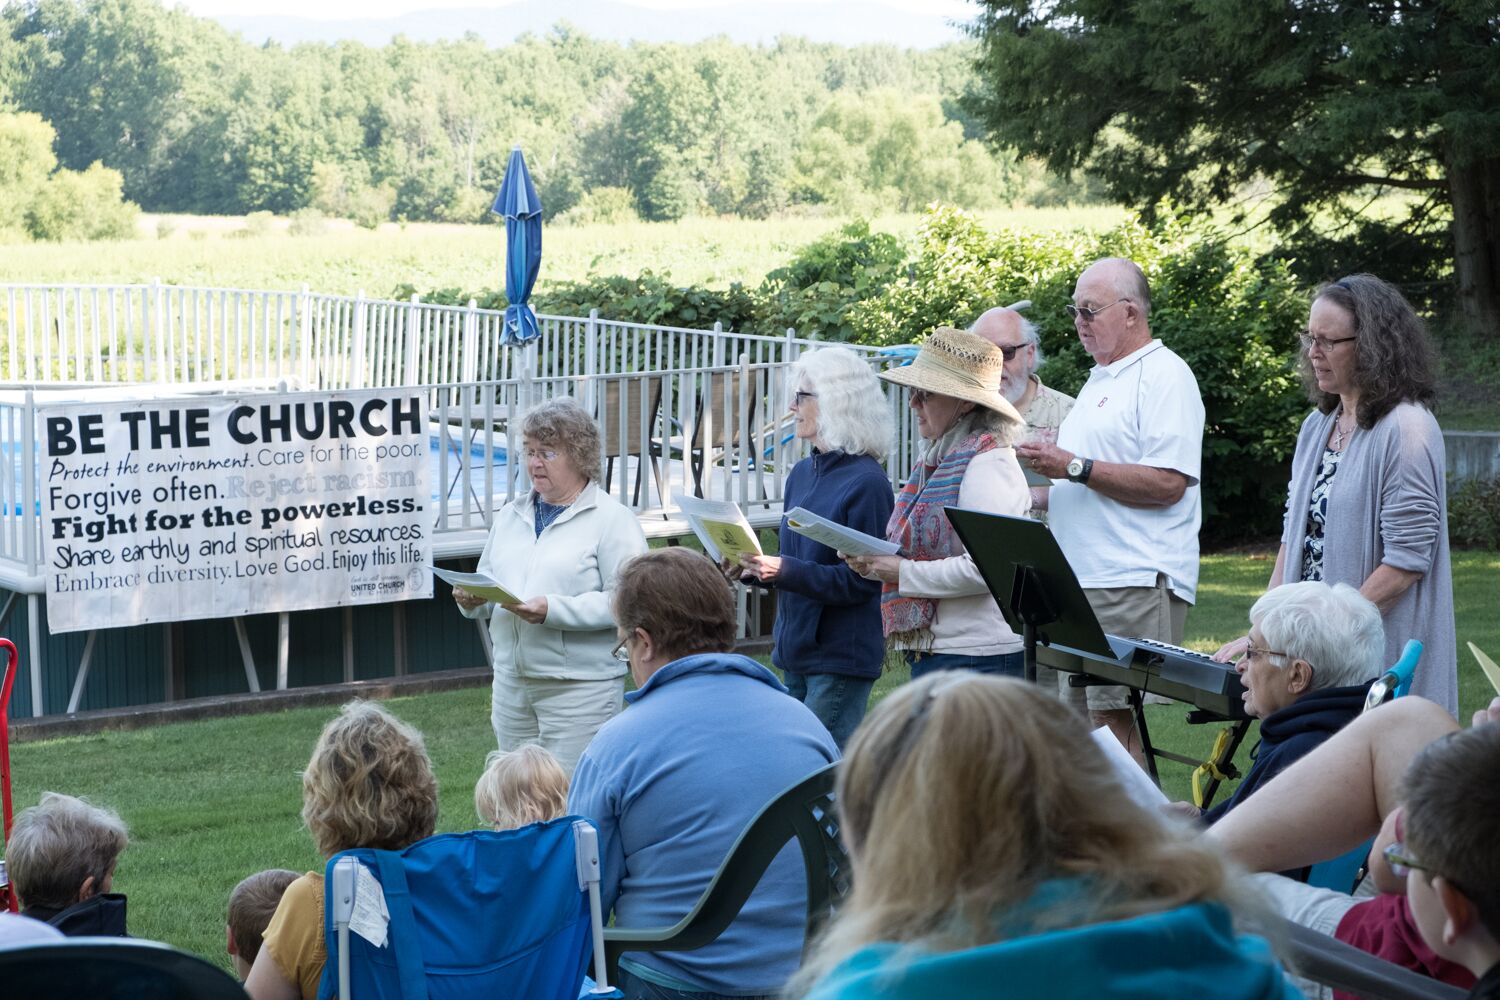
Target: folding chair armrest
[1326, 960]
[726, 893]
[782, 821]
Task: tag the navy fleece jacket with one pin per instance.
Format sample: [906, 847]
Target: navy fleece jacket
[1290, 733]
[827, 616]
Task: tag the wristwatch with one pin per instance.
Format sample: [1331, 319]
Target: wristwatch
[1079, 469]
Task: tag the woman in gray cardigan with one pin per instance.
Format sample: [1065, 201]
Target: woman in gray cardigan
[1367, 504]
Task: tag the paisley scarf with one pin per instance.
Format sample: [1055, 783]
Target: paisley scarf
[921, 528]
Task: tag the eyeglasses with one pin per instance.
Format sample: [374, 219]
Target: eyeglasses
[1086, 314]
[1258, 651]
[1323, 344]
[620, 652]
[1402, 864]
[801, 395]
[545, 454]
[919, 397]
[1014, 349]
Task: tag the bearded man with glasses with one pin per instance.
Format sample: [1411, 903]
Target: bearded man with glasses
[1125, 503]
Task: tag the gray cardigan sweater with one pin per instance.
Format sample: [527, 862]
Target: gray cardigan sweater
[1387, 504]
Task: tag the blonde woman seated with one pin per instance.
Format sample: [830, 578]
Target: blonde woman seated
[1024, 872]
[369, 784]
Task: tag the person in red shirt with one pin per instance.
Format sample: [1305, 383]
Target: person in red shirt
[1429, 788]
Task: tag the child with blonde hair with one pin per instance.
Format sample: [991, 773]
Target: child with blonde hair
[526, 785]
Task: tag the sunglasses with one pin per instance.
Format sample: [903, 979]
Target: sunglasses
[1014, 349]
[1086, 314]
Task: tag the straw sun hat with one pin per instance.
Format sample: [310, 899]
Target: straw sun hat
[954, 363]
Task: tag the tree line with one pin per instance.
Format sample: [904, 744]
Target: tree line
[196, 119]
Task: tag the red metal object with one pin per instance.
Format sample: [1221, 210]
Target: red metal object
[7, 897]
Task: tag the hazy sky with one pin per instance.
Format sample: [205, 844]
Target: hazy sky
[348, 9]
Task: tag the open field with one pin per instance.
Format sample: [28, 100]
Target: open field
[210, 802]
[222, 253]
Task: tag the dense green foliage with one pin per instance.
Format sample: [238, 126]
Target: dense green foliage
[198, 120]
[40, 201]
[1474, 514]
[1233, 318]
[1331, 104]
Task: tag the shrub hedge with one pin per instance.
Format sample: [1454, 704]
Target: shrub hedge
[1233, 317]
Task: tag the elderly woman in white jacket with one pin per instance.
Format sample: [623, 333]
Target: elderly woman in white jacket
[935, 606]
[558, 548]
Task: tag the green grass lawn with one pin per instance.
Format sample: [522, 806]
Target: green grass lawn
[210, 802]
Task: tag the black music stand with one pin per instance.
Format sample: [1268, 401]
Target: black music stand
[1036, 589]
[1032, 582]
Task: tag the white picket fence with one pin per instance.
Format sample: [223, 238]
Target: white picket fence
[171, 334]
[681, 409]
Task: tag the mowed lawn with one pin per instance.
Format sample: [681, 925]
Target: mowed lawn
[210, 802]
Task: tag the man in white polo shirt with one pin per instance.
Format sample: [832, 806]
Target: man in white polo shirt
[1125, 505]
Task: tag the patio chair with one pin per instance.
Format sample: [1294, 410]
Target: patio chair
[804, 812]
[628, 430]
[1331, 962]
[717, 420]
[479, 914]
[112, 969]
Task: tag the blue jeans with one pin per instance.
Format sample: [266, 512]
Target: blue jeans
[837, 700]
[1004, 664]
[636, 988]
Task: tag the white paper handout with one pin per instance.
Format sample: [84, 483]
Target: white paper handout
[1135, 781]
[370, 918]
[839, 537]
[721, 527]
[477, 583]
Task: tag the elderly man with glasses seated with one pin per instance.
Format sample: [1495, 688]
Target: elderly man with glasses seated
[709, 738]
[1313, 651]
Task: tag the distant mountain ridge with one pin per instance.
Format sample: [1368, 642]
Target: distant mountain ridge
[854, 22]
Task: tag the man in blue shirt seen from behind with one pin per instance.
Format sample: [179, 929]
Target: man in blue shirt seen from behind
[709, 738]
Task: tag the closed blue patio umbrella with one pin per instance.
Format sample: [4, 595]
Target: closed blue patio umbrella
[519, 205]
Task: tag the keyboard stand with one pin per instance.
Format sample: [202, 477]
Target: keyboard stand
[1197, 717]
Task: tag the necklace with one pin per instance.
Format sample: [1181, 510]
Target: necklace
[1340, 432]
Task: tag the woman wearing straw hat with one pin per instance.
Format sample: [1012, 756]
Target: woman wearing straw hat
[934, 605]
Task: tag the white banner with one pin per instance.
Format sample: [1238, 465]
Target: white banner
[209, 507]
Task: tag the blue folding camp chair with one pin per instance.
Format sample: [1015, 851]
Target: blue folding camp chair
[480, 914]
[1343, 873]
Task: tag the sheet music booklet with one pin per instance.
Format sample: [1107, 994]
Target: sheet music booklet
[1135, 782]
[839, 537]
[721, 527]
[478, 584]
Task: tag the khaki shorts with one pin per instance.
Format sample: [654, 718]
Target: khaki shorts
[1142, 612]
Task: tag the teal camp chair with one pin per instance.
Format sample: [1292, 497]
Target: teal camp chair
[1342, 874]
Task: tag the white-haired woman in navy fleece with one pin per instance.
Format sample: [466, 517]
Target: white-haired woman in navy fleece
[828, 638]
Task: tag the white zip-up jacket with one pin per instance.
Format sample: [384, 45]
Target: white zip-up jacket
[573, 564]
